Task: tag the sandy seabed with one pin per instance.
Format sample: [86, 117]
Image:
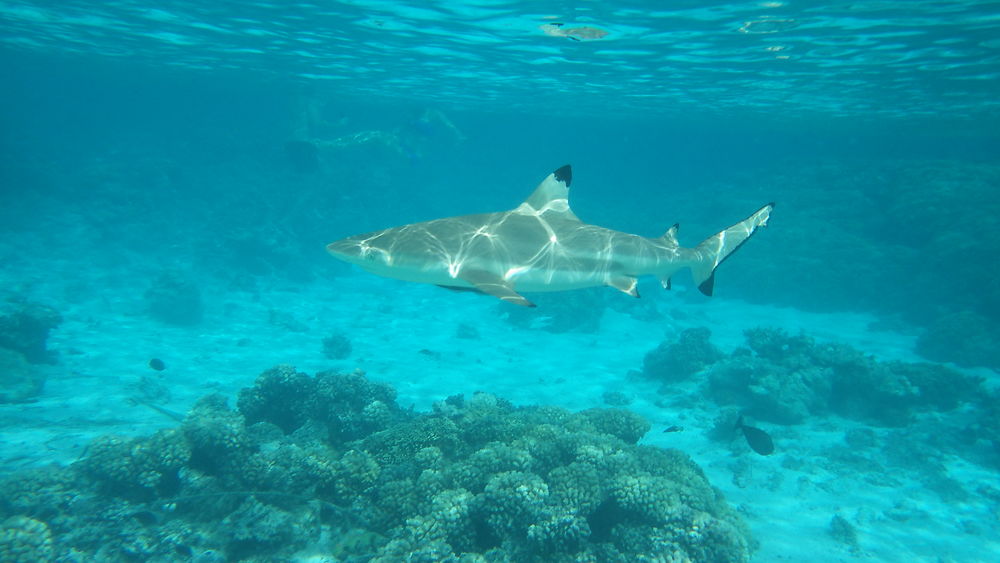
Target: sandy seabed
[408, 335]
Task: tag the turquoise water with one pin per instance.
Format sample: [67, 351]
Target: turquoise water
[799, 59]
[170, 174]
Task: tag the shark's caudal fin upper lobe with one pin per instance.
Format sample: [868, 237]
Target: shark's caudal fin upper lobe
[715, 249]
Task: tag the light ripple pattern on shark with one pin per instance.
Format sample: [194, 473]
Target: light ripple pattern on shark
[541, 245]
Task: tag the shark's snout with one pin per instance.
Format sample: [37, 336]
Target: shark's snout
[348, 250]
[357, 250]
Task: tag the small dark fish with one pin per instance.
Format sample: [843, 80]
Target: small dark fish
[157, 364]
[758, 440]
[430, 353]
[673, 429]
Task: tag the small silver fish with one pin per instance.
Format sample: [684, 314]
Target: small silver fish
[581, 33]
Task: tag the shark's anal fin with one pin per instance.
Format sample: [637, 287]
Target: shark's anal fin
[625, 284]
[492, 284]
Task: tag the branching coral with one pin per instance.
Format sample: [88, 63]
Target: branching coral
[137, 468]
[24, 540]
[347, 405]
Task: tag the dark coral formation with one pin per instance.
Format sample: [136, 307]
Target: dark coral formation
[336, 347]
[674, 361]
[343, 406]
[25, 329]
[984, 433]
[330, 466]
[19, 380]
[25, 540]
[965, 338]
[786, 378]
[24, 333]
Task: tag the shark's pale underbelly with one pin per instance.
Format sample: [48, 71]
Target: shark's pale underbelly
[527, 279]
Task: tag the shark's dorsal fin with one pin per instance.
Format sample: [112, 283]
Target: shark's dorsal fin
[551, 196]
[670, 237]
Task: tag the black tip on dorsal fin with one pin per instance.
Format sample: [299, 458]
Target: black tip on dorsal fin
[564, 174]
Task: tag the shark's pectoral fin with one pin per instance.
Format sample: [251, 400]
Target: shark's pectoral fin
[492, 284]
[625, 284]
[458, 288]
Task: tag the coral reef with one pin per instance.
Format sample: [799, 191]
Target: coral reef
[336, 347]
[985, 430]
[19, 380]
[346, 406]
[25, 329]
[784, 379]
[24, 334]
[965, 338]
[675, 361]
[918, 229]
[331, 466]
[25, 540]
[175, 301]
[842, 531]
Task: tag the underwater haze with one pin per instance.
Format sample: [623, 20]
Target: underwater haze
[187, 374]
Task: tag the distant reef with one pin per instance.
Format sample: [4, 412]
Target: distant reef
[330, 466]
[907, 414]
[910, 239]
[964, 338]
[786, 379]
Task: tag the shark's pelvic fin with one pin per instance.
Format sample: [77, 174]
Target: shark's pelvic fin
[492, 284]
[551, 196]
[669, 239]
[715, 249]
[625, 284]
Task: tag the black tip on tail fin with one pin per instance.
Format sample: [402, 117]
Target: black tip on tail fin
[707, 286]
[564, 174]
[717, 248]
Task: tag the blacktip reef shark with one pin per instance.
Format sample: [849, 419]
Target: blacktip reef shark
[540, 245]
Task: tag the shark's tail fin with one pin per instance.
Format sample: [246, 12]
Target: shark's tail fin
[715, 249]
